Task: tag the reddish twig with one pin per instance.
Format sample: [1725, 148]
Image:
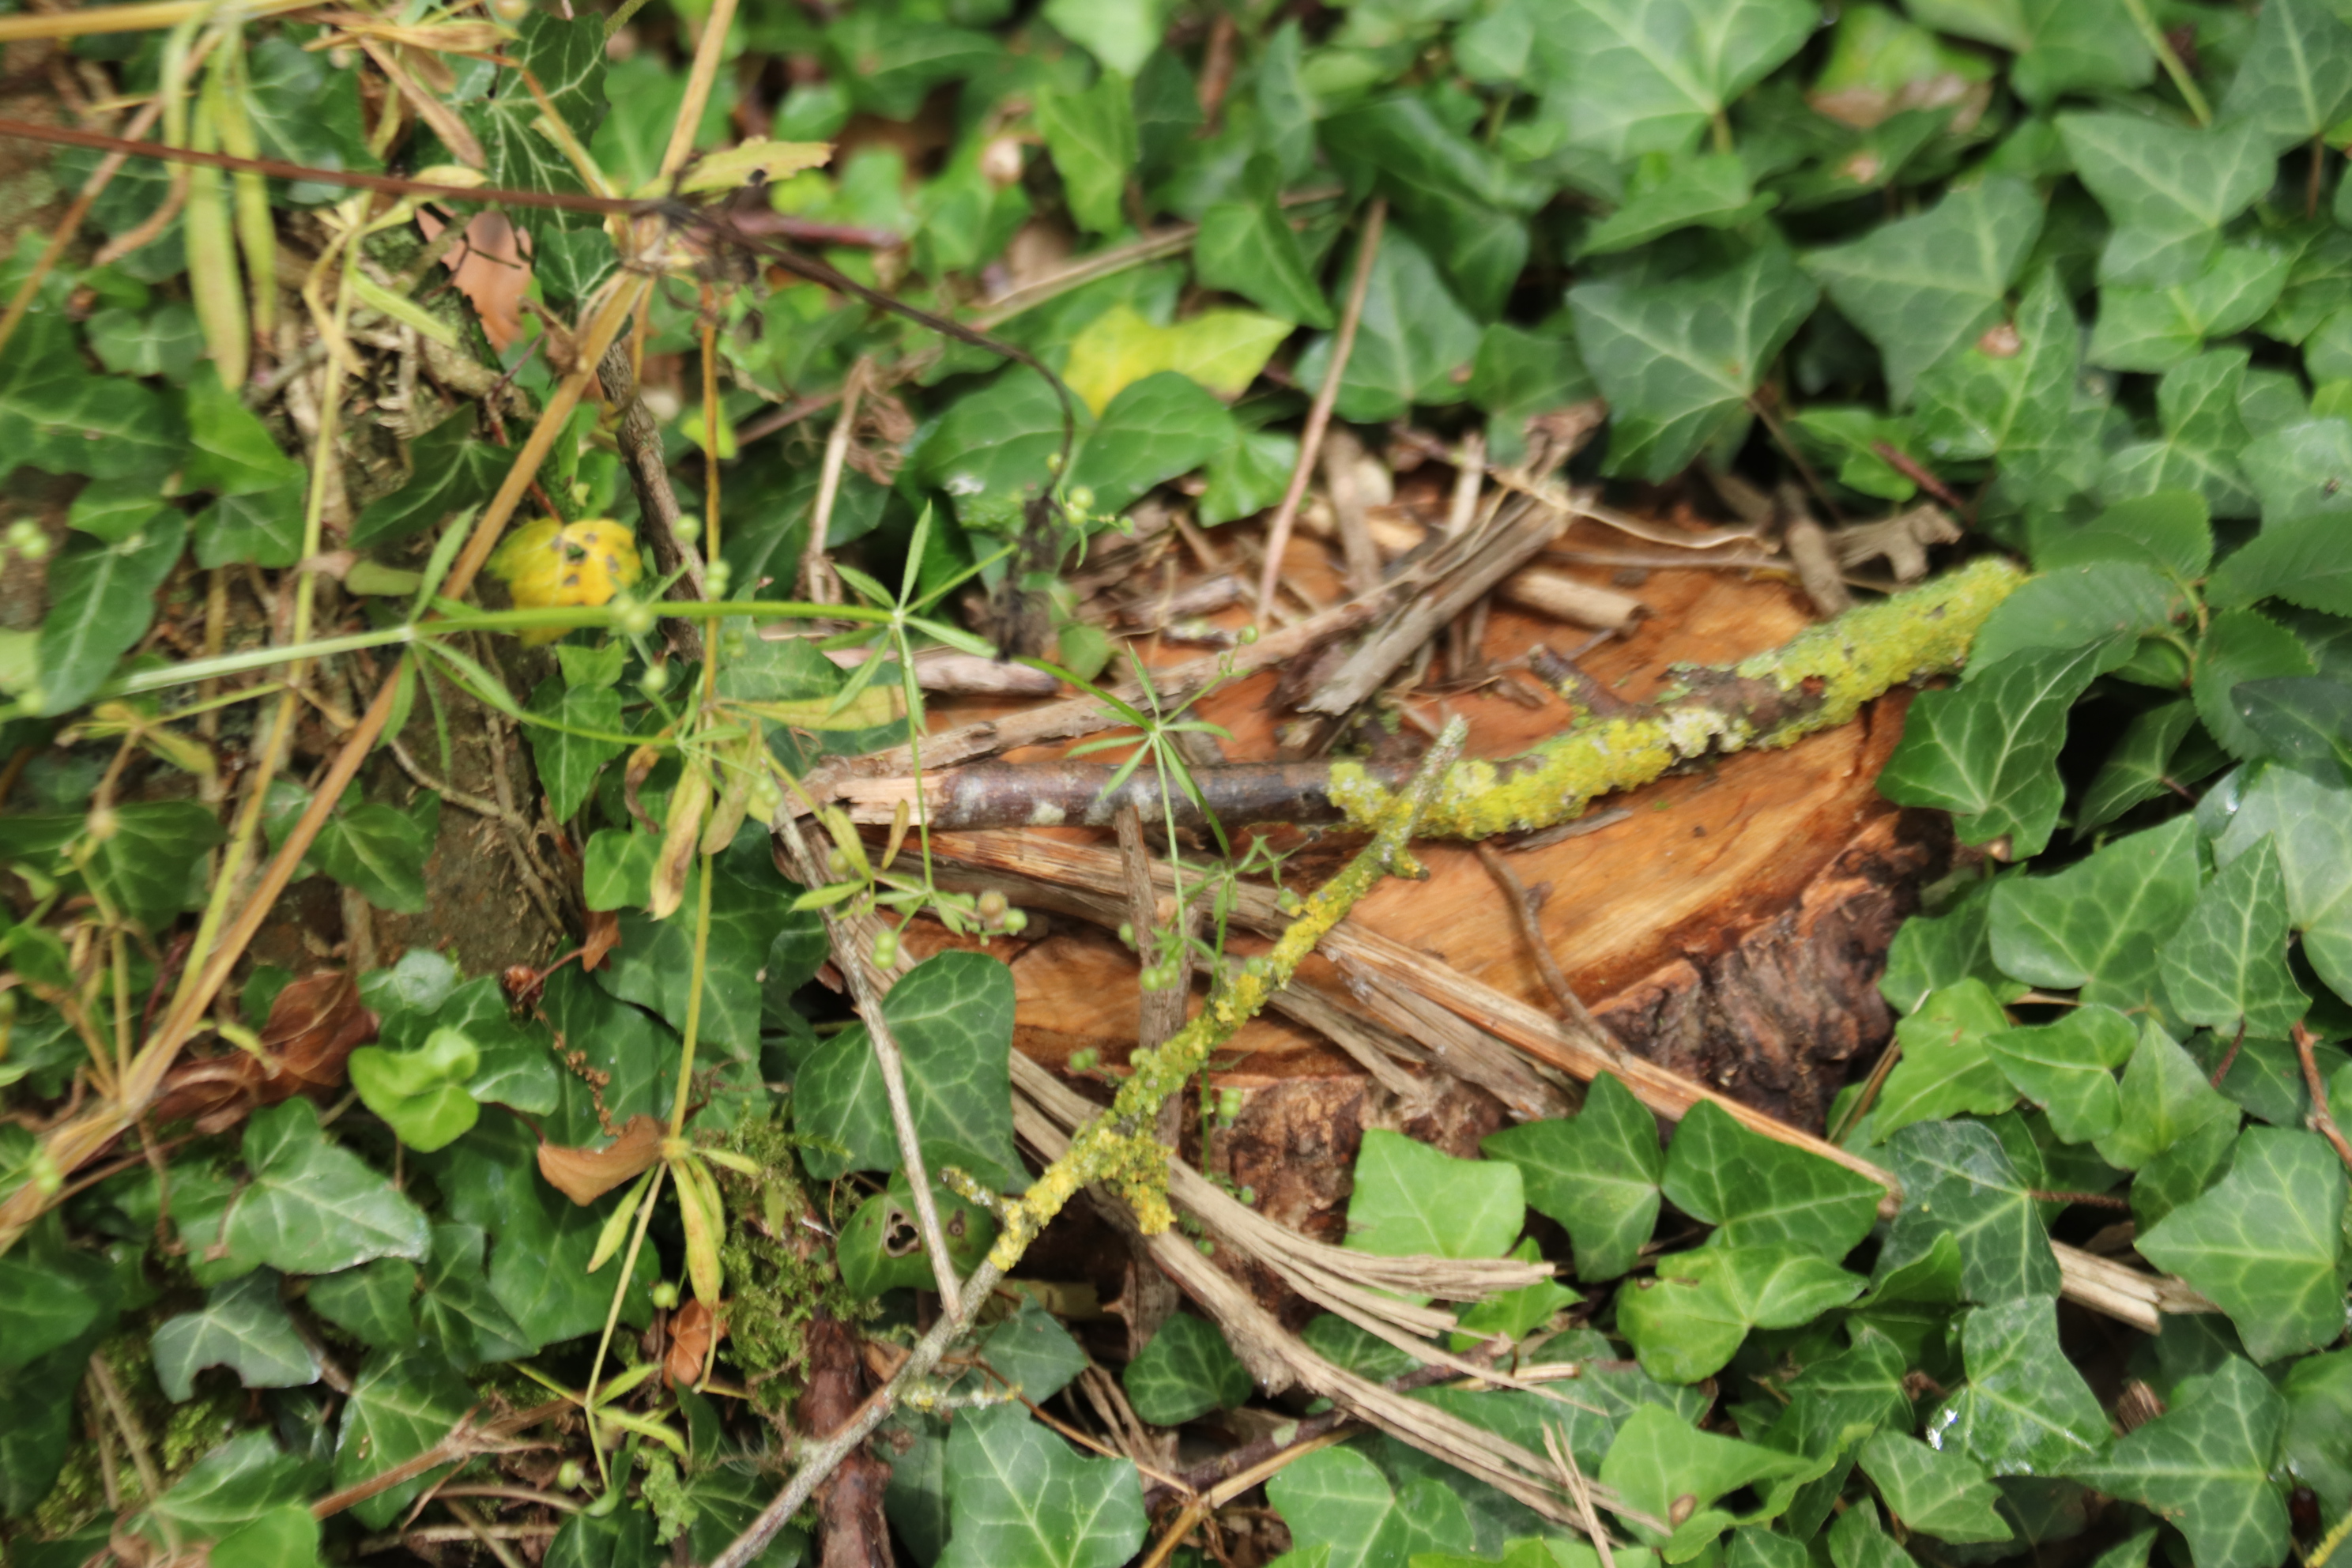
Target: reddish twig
[2323, 1120]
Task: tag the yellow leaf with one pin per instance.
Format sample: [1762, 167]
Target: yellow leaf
[754, 162]
[878, 704]
[691, 427]
[550, 564]
[1222, 349]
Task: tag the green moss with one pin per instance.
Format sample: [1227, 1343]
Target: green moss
[776, 1290]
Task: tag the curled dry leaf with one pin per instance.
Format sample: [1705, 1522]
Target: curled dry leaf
[603, 935]
[314, 1026]
[694, 1331]
[584, 1175]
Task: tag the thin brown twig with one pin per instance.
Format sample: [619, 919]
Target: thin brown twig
[1523, 917]
[1318, 415]
[2322, 1119]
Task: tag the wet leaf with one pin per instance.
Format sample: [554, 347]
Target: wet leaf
[2024, 1410]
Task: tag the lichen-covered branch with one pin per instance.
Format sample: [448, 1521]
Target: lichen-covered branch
[1118, 1148]
[1818, 680]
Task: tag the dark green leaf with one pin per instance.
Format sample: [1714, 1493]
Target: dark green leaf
[1958, 1180]
[1597, 1174]
[2304, 561]
[881, 1248]
[314, 1208]
[151, 866]
[56, 416]
[264, 528]
[2137, 769]
[2226, 967]
[2160, 326]
[2061, 46]
[2265, 1241]
[2301, 469]
[2311, 821]
[2242, 646]
[1659, 1458]
[233, 1485]
[1091, 135]
[371, 1301]
[991, 449]
[1647, 76]
[2099, 925]
[401, 1407]
[234, 453]
[2168, 189]
[1762, 1192]
[1017, 1493]
[43, 1309]
[448, 472]
[1155, 429]
[102, 600]
[1412, 339]
[1187, 1370]
[1932, 952]
[1032, 1350]
[1985, 399]
[381, 850]
[2024, 1410]
[165, 341]
[1934, 1491]
[1249, 249]
[654, 966]
[243, 1326]
[2204, 1465]
[1248, 476]
[457, 1309]
[2317, 1443]
[1705, 190]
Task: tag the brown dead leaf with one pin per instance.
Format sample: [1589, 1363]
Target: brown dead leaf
[314, 1024]
[695, 1332]
[584, 1175]
[603, 935]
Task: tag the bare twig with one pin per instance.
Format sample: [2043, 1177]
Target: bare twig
[2322, 1119]
[1523, 916]
[639, 436]
[818, 584]
[1162, 1010]
[1318, 415]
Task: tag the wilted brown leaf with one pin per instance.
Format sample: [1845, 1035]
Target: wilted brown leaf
[314, 1026]
[584, 1175]
[603, 934]
[694, 1331]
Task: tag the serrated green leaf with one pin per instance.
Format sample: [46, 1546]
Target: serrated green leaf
[1187, 1370]
[1933, 1490]
[1412, 1199]
[2168, 189]
[243, 1326]
[1986, 752]
[2296, 76]
[2240, 646]
[401, 1407]
[952, 1017]
[1944, 1068]
[1596, 1173]
[1762, 1192]
[2024, 1410]
[2099, 925]
[101, 602]
[312, 1206]
[2166, 1098]
[1678, 361]
[2265, 1241]
[1958, 1180]
[1018, 1493]
[2306, 561]
[2197, 403]
[1686, 1321]
[2226, 967]
[1412, 336]
[1647, 76]
[2067, 1067]
[2076, 607]
[1922, 287]
[2204, 1465]
[2160, 326]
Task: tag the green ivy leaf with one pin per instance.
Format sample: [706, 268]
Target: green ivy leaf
[165, 342]
[2204, 1465]
[151, 866]
[236, 1483]
[991, 449]
[2166, 1098]
[1514, 1314]
[1248, 476]
[1921, 288]
[2099, 925]
[1686, 1321]
[2302, 469]
[2240, 646]
[1337, 1500]
[264, 530]
[654, 966]
[1648, 76]
[1187, 1370]
[1596, 1173]
[1706, 189]
[457, 1309]
[952, 1017]
[568, 763]
[2317, 1442]
[1411, 338]
[1934, 1491]
[285, 1537]
[2063, 46]
[401, 1407]
[1839, 1399]
[1091, 136]
[2067, 1067]
[2197, 403]
[2168, 189]
[1945, 1068]
[1412, 1199]
[102, 600]
[1986, 400]
[312, 1206]
[1762, 1192]
[2139, 768]
[2297, 78]
[2265, 1241]
[1678, 361]
[1930, 953]
[243, 1326]
[371, 1302]
[56, 416]
[2311, 822]
[2160, 326]
[449, 471]
[43, 1309]
[1019, 1495]
[1249, 249]
[2024, 1410]
[233, 453]
[1156, 428]
[882, 1249]
[622, 1538]
[1987, 751]
[421, 1094]
[1120, 32]
[1030, 1349]
[1658, 1458]
[381, 850]
[1958, 1180]
[2226, 967]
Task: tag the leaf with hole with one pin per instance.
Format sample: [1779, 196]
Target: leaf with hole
[241, 1326]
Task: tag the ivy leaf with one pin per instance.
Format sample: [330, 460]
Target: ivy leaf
[2240, 646]
[44, 1310]
[2063, 46]
[2296, 79]
[1648, 76]
[952, 1017]
[991, 447]
[2264, 1242]
[1658, 1458]
[568, 763]
[102, 600]
[56, 416]
[238, 1482]
[165, 341]
[1248, 248]
[1596, 1173]
[151, 866]
[654, 966]
[420, 1094]
[1920, 288]
[1514, 1314]
[1841, 1398]
[1986, 752]
[2317, 1443]
[1462, 202]
[1412, 336]
[1030, 1349]
[1988, 399]
[371, 1302]
[1686, 1321]
[2226, 967]
[243, 1326]
[233, 452]
[458, 1310]
[2025, 1410]
[449, 471]
[1930, 953]
[1412, 1199]
[1763, 1193]
[285, 1537]
[2139, 767]
[265, 529]
[2311, 822]
[1708, 189]
[401, 1407]
[1187, 1370]
[1945, 1069]
[1161, 426]
[2067, 1067]
[2302, 469]
[2204, 1465]
[2158, 326]
[2099, 924]
[2168, 189]
[622, 1538]
[312, 1206]
[1934, 1491]
[2166, 1098]
[2197, 404]
[1678, 361]
[381, 850]
[1957, 1179]
[1018, 1494]
[1091, 136]
[878, 1250]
